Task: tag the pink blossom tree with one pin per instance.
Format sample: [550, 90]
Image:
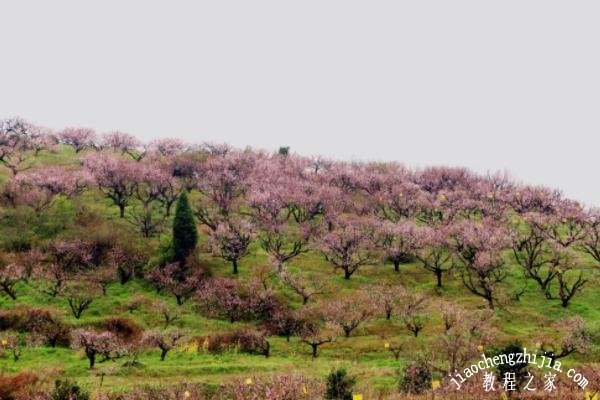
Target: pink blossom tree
[116, 177]
[349, 245]
[569, 278]
[279, 237]
[78, 138]
[177, 282]
[125, 261]
[167, 146]
[479, 245]
[305, 286]
[590, 242]
[164, 341]
[532, 250]
[19, 140]
[398, 241]
[231, 240]
[124, 143]
[433, 250]
[11, 273]
[413, 311]
[41, 187]
[348, 312]
[97, 344]
[222, 181]
[387, 297]
[64, 259]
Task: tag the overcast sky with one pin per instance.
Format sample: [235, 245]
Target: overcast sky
[509, 85]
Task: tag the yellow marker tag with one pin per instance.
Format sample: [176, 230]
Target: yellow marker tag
[186, 394]
[4, 342]
[248, 381]
[357, 397]
[504, 396]
[590, 396]
[304, 390]
[435, 384]
[387, 345]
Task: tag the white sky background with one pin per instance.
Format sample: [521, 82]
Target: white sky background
[509, 85]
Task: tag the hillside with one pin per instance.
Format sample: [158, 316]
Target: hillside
[85, 218]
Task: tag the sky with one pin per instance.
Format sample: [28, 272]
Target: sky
[505, 85]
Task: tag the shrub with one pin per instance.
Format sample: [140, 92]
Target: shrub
[13, 387]
[68, 390]
[247, 341]
[123, 328]
[282, 387]
[519, 369]
[415, 378]
[339, 385]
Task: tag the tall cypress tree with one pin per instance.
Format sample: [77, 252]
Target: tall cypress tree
[185, 235]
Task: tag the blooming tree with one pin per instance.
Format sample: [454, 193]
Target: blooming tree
[348, 312]
[97, 344]
[164, 341]
[78, 138]
[433, 250]
[398, 241]
[124, 143]
[116, 177]
[349, 245]
[11, 273]
[178, 282]
[305, 286]
[231, 240]
[387, 297]
[479, 245]
[19, 140]
[570, 279]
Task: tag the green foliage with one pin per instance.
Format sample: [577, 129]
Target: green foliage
[415, 378]
[68, 390]
[519, 369]
[339, 385]
[185, 234]
[284, 150]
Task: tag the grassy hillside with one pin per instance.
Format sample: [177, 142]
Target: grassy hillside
[363, 354]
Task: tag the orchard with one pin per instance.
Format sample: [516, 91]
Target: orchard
[205, 264]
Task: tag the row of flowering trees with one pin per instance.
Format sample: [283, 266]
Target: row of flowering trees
[355, 214]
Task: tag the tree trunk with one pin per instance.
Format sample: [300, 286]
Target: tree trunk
[438, 274]
[347, 274]
[396, 265]
[163, 354]
[121, 210]
[235, 266]
[315, 347]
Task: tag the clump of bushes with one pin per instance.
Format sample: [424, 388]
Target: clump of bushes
[16, 386]
[246, 341]
[43, 325]
[415, 378]
[68, 390]
[123, 328]
[339, 385]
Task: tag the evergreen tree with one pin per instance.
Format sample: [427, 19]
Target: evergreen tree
[185, 235]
